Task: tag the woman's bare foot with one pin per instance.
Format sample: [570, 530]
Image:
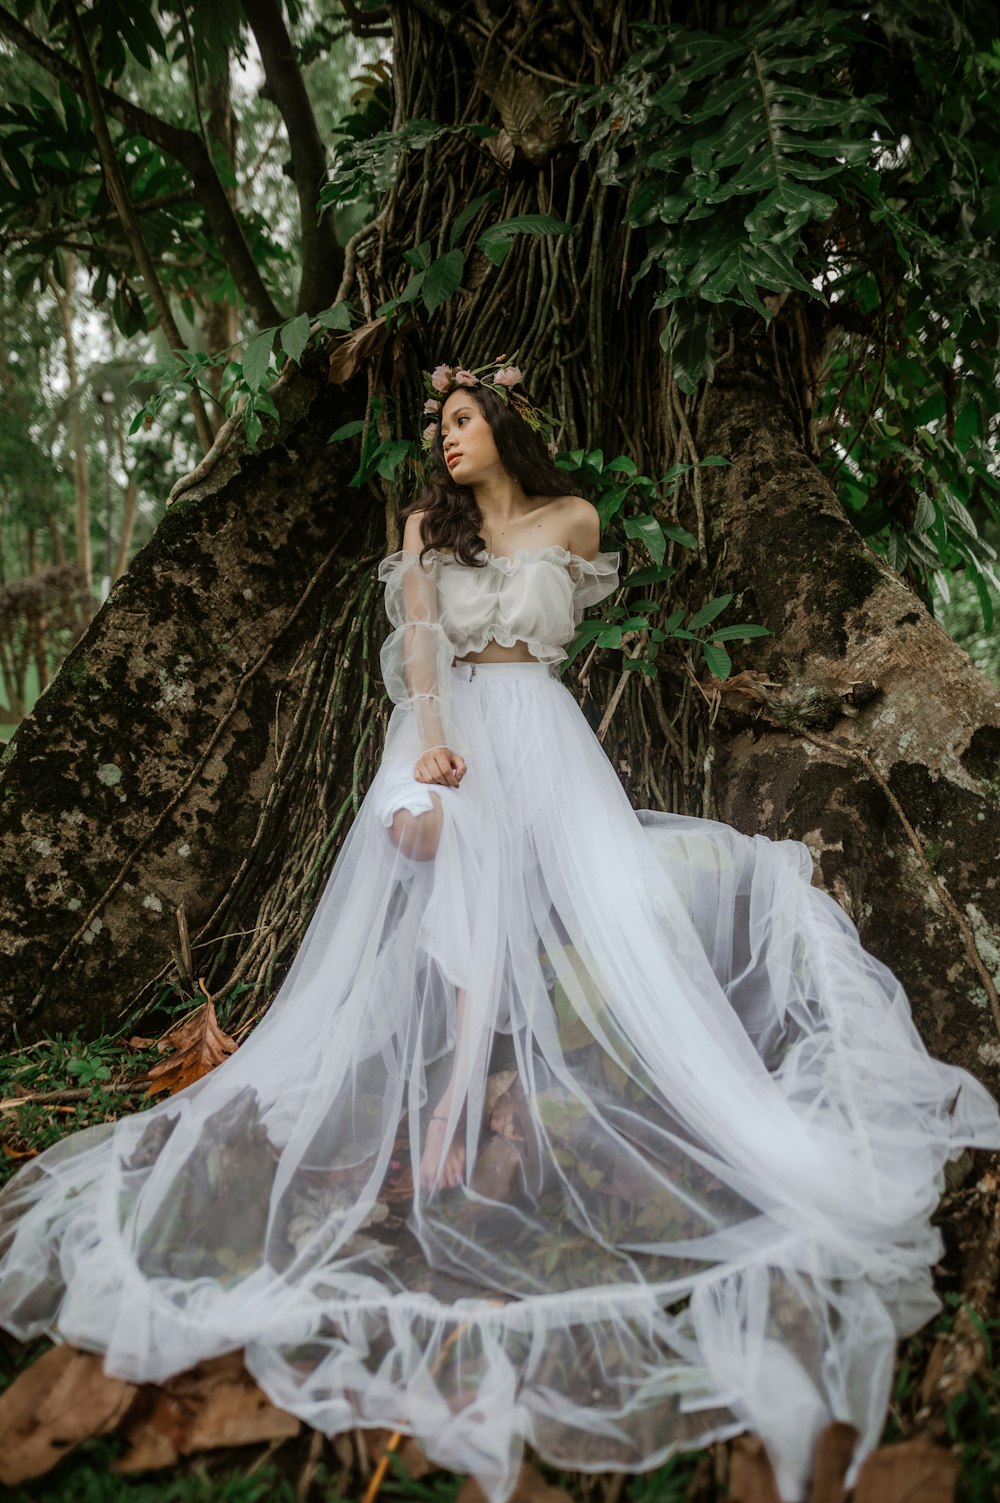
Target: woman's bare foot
[434, 1150]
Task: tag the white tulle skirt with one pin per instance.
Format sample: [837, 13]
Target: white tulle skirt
[702, 1137]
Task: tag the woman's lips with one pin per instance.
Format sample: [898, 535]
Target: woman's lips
[452, 459]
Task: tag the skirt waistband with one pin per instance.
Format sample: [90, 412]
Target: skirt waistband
[468, 671]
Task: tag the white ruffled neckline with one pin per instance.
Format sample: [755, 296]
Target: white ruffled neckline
[561, 554]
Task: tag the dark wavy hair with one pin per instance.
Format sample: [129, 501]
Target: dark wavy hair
[452, 519]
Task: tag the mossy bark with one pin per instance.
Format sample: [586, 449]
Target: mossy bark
[875, 740]
[134, 788]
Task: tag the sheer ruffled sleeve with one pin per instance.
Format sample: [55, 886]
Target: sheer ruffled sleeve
[416, 657]
[593, 578]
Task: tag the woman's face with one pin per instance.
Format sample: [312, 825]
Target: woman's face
[467, 438]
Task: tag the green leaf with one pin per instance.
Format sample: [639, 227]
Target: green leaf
[295, 337]
[469, 213]
[347, 430]
[718, 660]
[257, 358]
[392, 456]
[337, 316]
[925, 513]
[680, 535]
[419, 255]
[442, 278]
[687, 337]
[496, 251]
[252, 425]
[524, 224]
[650, 532]
[709, 612]
[652, 575]
[738, 633]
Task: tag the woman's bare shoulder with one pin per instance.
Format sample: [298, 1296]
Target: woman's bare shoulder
[584, 522]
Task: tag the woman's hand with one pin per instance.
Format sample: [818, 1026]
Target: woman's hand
[440, 765]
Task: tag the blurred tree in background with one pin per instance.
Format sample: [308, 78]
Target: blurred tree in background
[223, 156]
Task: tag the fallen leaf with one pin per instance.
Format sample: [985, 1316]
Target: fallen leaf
[198, 1045]
[531, 1487]
[751, 1479]
[832, 1457]
[64, 1397]
[913, 1471]
[217, 1403]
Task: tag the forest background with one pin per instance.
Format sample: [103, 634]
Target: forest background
[748, 254]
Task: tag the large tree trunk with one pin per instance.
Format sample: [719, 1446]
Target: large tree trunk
[205, 744]
[873, 737]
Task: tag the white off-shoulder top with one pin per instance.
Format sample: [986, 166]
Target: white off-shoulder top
[441, 609]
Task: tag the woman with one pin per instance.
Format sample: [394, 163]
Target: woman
[570, 1124]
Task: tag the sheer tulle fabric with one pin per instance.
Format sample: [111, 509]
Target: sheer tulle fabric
[703, 1139]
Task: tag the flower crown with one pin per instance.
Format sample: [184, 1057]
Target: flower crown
[501, 377]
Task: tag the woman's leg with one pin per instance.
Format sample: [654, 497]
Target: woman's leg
[417, 835]
[439, 1152]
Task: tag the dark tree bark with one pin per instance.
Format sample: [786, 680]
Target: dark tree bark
[203, 748]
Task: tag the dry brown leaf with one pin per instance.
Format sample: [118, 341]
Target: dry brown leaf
[751, 1479]
[834, 1450]
[217, 1403]
[914, 1471]
[348, 350]
[198, 1045]
[61, 1399]
[531, 1487]
[17, 1153]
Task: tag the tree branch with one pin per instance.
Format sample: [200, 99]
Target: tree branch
[322, 257]
[94, 222]
[118, 193]
[185, 147]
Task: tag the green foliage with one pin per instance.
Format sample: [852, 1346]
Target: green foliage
[636, 504]
[846, 158]
[85, 1477]
[435, 280]
[365, 165]
[60, 1064]
[722, 139]
[244, 385]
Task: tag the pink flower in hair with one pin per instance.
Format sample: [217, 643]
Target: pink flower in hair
[466, 378]
[510, 375]
[430, 432]
[442, 377]
[432, 405]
